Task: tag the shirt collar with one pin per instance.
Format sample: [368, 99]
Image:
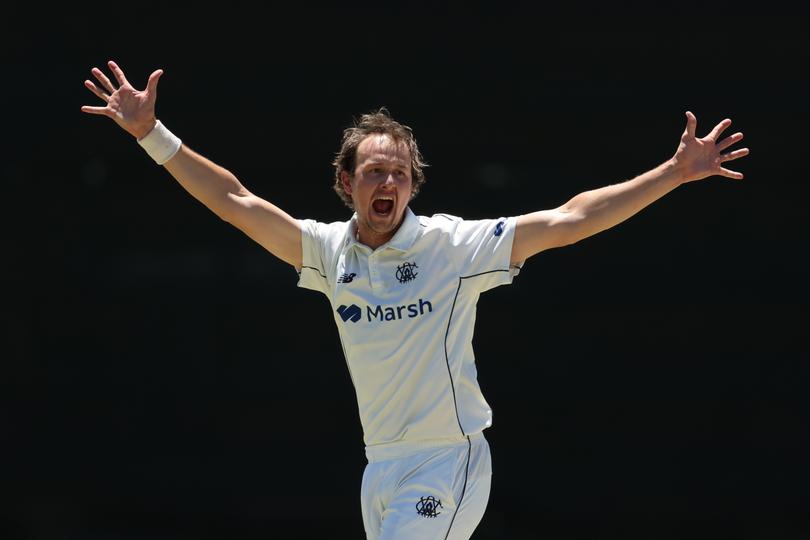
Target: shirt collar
[402, 240]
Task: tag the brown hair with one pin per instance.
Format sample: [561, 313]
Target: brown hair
[379, 121]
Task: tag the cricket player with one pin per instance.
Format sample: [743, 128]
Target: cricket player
[403, 290]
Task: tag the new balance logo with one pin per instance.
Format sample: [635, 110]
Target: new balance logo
[352, 313]
[347, 278]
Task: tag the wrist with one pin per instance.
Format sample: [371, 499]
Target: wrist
[675, 172]
[160, 143]
[142, 131]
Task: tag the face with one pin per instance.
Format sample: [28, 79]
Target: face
[380, 187]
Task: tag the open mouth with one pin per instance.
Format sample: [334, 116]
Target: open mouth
[383, 205]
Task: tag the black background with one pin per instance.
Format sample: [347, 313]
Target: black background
[166, 379]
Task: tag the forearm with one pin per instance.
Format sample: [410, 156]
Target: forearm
[212, 185]
[220, 191]
[600, 209]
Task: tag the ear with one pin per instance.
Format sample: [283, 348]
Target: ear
[346, 180]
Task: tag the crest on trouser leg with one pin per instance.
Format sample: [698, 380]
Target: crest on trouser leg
[428, 506]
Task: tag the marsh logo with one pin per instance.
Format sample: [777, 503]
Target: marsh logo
[385, 313]
[352, 313]
[499, 228]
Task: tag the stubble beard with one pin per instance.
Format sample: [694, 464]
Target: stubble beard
[385, 227]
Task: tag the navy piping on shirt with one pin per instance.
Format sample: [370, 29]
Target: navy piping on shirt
[447, 333]
[313, 268]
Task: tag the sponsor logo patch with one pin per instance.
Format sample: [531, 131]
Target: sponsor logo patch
[352, 313]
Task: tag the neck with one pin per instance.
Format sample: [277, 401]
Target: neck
[373, 239]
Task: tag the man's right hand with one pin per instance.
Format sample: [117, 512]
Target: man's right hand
[133, 110]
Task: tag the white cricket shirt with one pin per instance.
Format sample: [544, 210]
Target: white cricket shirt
[405, 313]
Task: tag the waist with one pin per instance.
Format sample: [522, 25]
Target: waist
[398, 449]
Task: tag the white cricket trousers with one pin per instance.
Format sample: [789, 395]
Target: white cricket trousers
[437, 493]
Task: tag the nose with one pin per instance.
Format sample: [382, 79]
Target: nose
[389, 180]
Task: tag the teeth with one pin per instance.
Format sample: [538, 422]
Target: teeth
[384, 198]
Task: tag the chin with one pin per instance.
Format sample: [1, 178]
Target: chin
[384, 224]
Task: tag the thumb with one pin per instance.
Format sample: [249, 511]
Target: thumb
[691, 124]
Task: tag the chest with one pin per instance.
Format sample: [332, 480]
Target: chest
[398, 285]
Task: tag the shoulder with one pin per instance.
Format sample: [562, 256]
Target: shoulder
[456, 228]
[454, 224]
[461, 231]
[439, 222]
[331, 227]
[330, 233]
[442, 217]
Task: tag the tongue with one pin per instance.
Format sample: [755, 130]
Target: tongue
[382, 207]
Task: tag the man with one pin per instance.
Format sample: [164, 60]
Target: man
[404, 289]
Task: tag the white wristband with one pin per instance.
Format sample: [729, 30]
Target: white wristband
[160, 143]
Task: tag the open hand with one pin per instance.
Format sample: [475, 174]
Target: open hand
[133, 110]
[700, 158]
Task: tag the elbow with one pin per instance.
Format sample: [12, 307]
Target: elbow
[226, 213]
[234, 206]
[570, 227]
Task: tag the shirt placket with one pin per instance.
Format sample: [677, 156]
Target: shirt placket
[374, 270]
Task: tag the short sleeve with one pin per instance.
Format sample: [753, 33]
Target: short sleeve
[312, 274]
[483, 251]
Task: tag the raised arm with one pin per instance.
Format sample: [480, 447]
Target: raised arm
[214, 186]
[594, 211]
